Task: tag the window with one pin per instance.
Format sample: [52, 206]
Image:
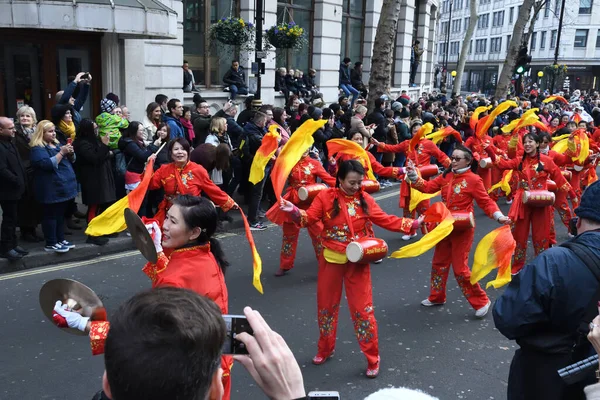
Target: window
[454, 48]
[508, 37]
[301, 13]
[581, 38]
[553, 39]
[470, 47]
[585, 6]
[467, 21]
[456, 25]
[203, 57]
[533, 40]
[498, 19]
[495, 45]
[480, 46]
[547, 9]
[353, 20]
[483, 21]
[598, 39]
[442, 49]
[557, 4]
[444, 28]
[543, 40]
[510, 15]
[485, 1]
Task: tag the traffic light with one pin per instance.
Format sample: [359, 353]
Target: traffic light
[523, 60]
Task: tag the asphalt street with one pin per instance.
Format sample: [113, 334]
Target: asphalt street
[444, 351]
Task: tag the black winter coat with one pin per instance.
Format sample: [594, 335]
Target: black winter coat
[136, 154]
[237, 78]
[94, 171]
[12, 172]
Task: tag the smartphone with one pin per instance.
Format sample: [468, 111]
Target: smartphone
[323, 395]
[235, 324]
[85, 76]
[69, 141]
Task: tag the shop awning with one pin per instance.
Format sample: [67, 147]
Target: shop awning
[134, 18]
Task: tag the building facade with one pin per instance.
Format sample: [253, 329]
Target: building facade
[135, 48]
[579, 46]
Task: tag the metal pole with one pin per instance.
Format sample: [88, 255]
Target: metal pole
[259, 44]
[556, 48]
[445, 76]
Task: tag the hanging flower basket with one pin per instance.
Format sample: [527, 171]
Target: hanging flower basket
[557, 70]
[286, 36]
[233, 31]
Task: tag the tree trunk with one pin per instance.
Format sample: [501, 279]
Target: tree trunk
[383, 51]
[513, 49]
[536, 10]
[464, 52]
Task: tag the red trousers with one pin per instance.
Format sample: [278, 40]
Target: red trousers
[454, 250]
[561, 205]
[357, 280]
[290, 243]
[226, 364]
[539, 219]
[421, 208]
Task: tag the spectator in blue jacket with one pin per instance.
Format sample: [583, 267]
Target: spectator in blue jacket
[346, 82]
[66, 96]
[547, 308]
[175, 110]
[55, 185]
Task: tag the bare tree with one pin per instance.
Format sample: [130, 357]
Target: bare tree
[513, 49]
[383, 51]
[537, 7]
[464, 52]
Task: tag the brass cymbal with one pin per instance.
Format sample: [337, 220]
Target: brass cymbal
[141, 237]
[76, 295]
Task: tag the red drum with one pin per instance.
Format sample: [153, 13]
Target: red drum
[538, 198]
[309, 192]
[366, 250]
[551, 185]
[485, 162]
[370, 186]
[567, 174]
[428, 171]
[463, 221]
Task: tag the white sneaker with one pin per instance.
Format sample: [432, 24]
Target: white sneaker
[378, 261]
[508, 201]
[428, 303]
[482, 312]
[408, 237]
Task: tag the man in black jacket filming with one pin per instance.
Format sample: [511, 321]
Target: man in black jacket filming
[547, 307]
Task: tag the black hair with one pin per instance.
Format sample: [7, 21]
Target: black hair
[545, 135]
[346, 60]
[58, 112]
[343, 170]
[379, 102]
[172, 104]
[86, 131]
[160, 98]
[199, 212]
[150, 108]
[186, 109]
[165, 326]
[183, 142]
[535, 138]
[158, 128]
[132, 130]
[278, 114]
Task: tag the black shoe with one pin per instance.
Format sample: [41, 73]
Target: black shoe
[112, 235]
[79, 215]
[21, 250]
[12, 255]
[97, 240]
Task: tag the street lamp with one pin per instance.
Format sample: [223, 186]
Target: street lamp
[453, 73]
[444, 77]
[540, 75]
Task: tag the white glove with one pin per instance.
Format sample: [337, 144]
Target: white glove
[156, 234]
[74, 320]
[412, 175]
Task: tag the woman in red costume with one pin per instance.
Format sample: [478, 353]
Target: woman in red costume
[478, 146]
[191, 259]
[500, 142]
[459, 187]
[420, 157]
[182, 176]
[533, 171]
[304, 173]
[347, 213]
[378, 169]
